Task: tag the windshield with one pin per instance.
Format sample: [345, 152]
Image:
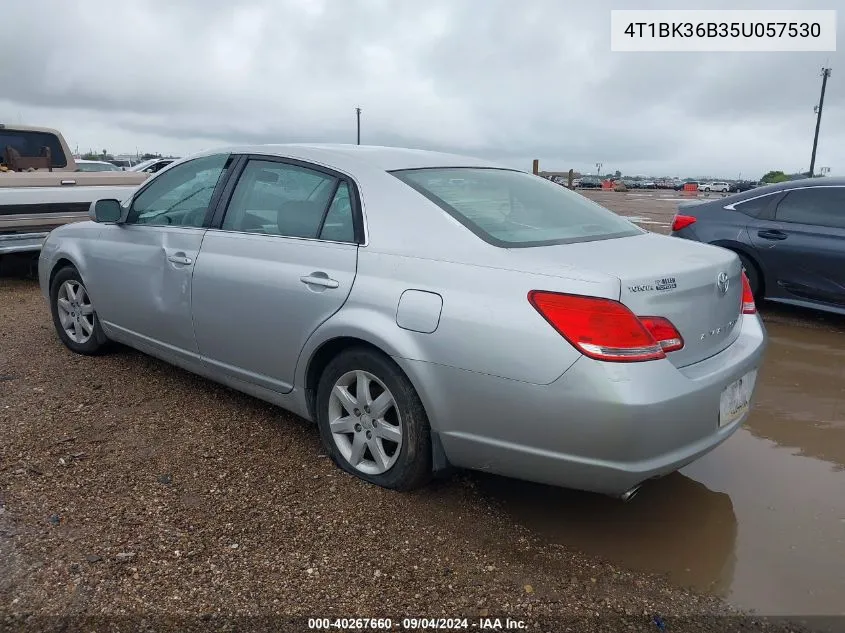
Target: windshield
[515, 209]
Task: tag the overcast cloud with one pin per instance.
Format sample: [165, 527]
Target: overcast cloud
[506, 80]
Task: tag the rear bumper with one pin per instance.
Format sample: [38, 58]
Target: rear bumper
[603, 427]
[22, 242]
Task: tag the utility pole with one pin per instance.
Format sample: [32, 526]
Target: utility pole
[598, 169]
[358, 114]
[825, 75]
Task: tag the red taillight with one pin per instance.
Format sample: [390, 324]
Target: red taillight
[604, 329]
[682, 221]
[663, 332]
[748, 305]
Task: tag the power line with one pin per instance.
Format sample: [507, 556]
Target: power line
[825, 75]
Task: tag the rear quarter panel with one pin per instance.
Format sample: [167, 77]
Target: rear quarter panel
[486, 323]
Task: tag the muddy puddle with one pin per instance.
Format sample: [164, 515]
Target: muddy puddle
[759, 521]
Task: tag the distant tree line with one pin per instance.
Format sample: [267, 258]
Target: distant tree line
[772, 177]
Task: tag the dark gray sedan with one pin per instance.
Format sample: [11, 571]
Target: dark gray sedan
[790, 238]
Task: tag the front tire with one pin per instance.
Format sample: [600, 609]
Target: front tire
[74, 315]
[372, 422]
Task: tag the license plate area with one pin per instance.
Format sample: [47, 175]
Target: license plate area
[735, 399]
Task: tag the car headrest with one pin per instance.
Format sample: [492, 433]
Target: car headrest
[300, 218]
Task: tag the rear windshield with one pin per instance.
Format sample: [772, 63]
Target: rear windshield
[30, 144]
[515, 209]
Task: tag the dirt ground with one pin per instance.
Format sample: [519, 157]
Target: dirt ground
[132, 490]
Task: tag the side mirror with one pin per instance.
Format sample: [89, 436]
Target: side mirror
[107, 211]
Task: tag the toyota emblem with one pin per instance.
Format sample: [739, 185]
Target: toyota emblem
[723, 283]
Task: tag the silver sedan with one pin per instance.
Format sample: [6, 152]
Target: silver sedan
[425, 310]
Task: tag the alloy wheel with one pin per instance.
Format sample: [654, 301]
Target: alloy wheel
[365, 422]
[76, 312]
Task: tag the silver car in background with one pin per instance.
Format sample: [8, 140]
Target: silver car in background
[426, 310]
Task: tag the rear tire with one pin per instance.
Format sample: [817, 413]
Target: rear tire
[391, 448]
[74, 315]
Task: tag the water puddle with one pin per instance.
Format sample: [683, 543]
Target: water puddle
[759, 521]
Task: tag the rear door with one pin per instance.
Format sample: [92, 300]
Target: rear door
[278, 262]
[802, 245]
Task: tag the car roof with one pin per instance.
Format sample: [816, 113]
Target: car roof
[93, 162]
[799, 184]
[380, 157]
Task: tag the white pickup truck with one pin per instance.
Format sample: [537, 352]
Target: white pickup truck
[41, 187]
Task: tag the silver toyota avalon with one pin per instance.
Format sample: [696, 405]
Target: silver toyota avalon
[426, 310]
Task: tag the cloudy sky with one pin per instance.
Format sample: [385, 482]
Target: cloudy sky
[502, 79]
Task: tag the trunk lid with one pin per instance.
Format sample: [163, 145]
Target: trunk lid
[659, 276]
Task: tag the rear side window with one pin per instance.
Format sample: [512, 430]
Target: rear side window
[276, 198]
[820, 206]
[338, 225]
[755, 206]
[31, 144]
[514, 209]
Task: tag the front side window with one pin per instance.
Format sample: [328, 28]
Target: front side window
[819, 206]
[274, 198]
[514, 209]
[180, 196]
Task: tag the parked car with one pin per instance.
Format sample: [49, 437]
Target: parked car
[122, 163]
[425, 309]
[95, 165]
[152, 165]
[790, 238]
[721, 187]
[589, 182]
[743, 185]
[41, 186]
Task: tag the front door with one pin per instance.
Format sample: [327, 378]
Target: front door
[143, 276]
[280, 263]
[803, 245]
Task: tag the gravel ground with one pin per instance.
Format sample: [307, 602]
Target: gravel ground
[129, 488]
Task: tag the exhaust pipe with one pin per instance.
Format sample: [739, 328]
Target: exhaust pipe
[627, 496]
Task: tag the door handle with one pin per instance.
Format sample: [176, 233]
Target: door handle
[180, 259]
[319, 279]
[772, 234]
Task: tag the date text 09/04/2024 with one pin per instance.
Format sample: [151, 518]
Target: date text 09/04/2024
[417, 624]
